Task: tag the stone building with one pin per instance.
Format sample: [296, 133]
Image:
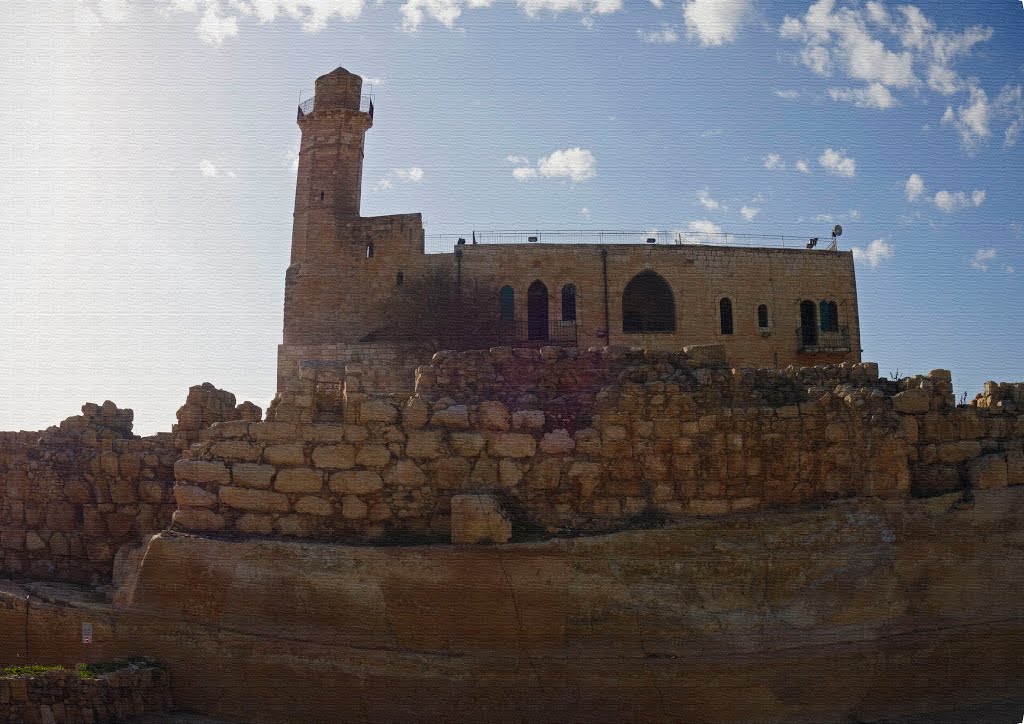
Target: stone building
[769, 307]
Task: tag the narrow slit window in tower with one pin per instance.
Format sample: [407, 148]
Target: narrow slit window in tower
[725, 314]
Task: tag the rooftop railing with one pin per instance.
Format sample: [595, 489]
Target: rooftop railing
[444, 243]
[309, 105]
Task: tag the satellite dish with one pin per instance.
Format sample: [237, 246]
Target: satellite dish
[838, 231]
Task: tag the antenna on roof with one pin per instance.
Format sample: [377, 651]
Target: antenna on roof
[837, 231]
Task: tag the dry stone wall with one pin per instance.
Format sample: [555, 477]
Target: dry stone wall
[586, 441]
[62, 696]
[74, 495]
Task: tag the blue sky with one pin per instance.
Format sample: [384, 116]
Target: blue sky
[147, 163]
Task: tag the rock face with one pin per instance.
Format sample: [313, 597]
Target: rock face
[479, 519]
[852, 612]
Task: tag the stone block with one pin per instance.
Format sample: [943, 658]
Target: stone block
[335, 457]
[250, 475]
[352, 508]
[414, 414]
[586, 476]
[988, 472]
[255, 524]
[509, 473]
[455, 417]
[1015, 468]
[323, 433]
[512, 445]
[373, 456]
[479, 519]
[557, 442]
[122, 492]
[911, 402]
[958, 452]
[708, 507]
[407, 474]
[424, 445]
[285, 454]
[545, 475]
[466, 444]
[494, 415]
[198, 471]
[273, 432]
[197, 519]
[152, 491]
[377, 411]
[449, 473]
[193, 496]
[312, 505]
[356, 482]
[256, 501]
[299, 480]
[60, 517]
[236, 450]
[705, 355]
[528, 420]
[12, 539]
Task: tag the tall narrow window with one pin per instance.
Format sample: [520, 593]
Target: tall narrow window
[808, 324]
[507, 302]
[725, 314]
[369, 250]
[762, 316]
[829, 317]
[537, 311]
[321, 195]
[399, 279]
[569, 303]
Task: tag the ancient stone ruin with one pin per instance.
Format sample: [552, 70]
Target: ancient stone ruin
[702, 507]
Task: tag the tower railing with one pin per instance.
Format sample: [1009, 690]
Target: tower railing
[309, 105]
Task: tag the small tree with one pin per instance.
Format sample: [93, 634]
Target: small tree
[434, 310]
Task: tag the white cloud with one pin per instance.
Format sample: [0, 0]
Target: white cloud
[292, 159]
[598, 7]
[711, 133]
[802, 166]
[914, 187]
[706, 201]
[524, 173]
[883, 50]
[876, 252]
[667, 34]
[657, 3]
[585, 212]
[576, 164]
[219, 18]
[208, 170]
[774, 162]
[875, 95]
[972, 119]
[749, 212]
[714, 22]
[704, 227]
[950, 201]
[787, 94]
[214, 27]
[517, 159]
[413, 174]
[835, 162]
[982, 259]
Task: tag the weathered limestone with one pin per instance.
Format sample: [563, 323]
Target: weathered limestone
[479, 519]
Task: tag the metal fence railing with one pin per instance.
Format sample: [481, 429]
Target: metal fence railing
[445, 243]
[309, 105]
[817, 340]
[541, 332]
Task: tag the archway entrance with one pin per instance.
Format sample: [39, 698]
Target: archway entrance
[648, 305]
[537, 311]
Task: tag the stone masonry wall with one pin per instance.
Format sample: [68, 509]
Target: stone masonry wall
[62, 696]
[593, 440]
[73, 495]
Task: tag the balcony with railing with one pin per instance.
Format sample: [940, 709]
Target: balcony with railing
[309, 105]
[523, 332]
[814, 340]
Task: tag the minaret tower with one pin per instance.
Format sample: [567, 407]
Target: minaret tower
[330, 176]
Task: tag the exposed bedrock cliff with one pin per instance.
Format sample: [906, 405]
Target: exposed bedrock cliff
[862, 609]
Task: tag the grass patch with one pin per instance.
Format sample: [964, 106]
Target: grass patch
[91, 671]
[31, 670]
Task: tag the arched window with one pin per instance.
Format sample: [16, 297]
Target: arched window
[507, 302]
[369, 250]
[808, 324]
[569, 303]
[537, 311]
[725, 314]
[829, 316]
[321, 195]
[399, 279]
[762, 316]
[648, 305]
